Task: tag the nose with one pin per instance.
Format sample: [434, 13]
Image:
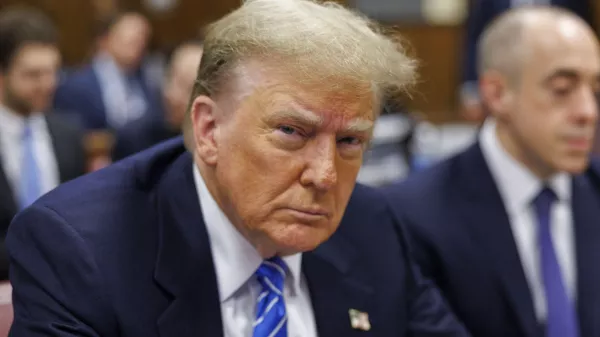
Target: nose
[48, 80]
[320, 171]
[588, 106]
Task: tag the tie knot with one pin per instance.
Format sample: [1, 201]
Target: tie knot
[544, 199]
[271, 274]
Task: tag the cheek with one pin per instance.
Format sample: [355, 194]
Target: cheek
[347, 173]
[254, 173]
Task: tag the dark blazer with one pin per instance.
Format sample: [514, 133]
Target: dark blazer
[68, 148]
[463, 240]
[79, 96]
[482, 12]
[124, 252]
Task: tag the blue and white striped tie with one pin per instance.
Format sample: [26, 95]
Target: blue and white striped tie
[271, 317]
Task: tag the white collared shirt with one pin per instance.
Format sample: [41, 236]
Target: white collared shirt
[518, 187]
[236, 261]
[11, 150]
[123, 103]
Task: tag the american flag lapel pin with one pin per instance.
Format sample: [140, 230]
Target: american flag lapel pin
[359, 320]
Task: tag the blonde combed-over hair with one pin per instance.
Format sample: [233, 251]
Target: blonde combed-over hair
[317, 42]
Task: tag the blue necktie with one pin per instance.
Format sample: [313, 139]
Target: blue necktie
[30, 188]
[271, 317]
[561, 320]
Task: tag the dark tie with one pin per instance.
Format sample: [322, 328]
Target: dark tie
[271, 317]
[30, 188]
[561, 320]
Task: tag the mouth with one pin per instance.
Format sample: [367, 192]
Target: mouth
[309, 214]
[581, 143]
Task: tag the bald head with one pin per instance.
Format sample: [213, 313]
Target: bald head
[508, 42]
[540, 79]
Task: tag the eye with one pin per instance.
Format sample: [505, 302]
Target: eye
[351, 141]
[561, 92]
[288, 130]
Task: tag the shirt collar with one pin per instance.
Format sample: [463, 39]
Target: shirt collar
[236, 260]
[14, 123]
[517, 185]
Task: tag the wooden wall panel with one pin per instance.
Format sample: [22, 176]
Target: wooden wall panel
[73, 19]
[437, 47]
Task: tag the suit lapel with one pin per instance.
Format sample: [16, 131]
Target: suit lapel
[61, 146]
[586, 216]
[334, 290]
[8, 203]
[184, 266]
[487, 220]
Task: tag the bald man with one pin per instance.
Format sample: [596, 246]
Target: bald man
[510, 228]
[179, 82]
[481, 14]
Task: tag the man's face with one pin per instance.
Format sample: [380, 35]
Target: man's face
[30, 81]
[180, 83]
[287, 157]
[554, 110]
[128, 40]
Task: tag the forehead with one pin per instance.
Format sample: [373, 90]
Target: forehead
[186, 60]
[129, 26]
[34, 55]
[565, 45]
[272, 89]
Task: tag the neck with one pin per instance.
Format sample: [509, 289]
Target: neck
[16, 109]
[518, 151]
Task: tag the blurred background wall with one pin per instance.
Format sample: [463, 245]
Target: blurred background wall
[434, 29]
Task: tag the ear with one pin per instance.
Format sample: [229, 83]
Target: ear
[496, 93]
[204, 117]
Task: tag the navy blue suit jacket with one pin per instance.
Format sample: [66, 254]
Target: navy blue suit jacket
[80, 96]
[124, 252]
[482, 12]
[462, 239]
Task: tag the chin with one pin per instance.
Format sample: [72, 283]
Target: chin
[298, 238]
[575, 165]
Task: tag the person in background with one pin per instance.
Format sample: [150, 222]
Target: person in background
[481, 13]
[236, 229]
[114, 90]
[390, 154]
[508, 228]
[38, 149]
[179, 82]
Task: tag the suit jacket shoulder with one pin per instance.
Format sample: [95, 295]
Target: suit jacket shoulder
[124, 252]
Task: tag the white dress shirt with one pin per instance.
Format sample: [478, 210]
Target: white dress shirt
[518, 187]
[236, 261]
[11, 150]
[123, 103]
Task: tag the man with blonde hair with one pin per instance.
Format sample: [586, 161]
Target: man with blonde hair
[236, 233]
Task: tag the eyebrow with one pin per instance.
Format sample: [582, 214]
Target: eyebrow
[562, 73]
[311, 119]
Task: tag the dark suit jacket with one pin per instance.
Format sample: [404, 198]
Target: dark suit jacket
[68, 148]
[124, 252]
[463, 240]
[80, 97]
[482, 12]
